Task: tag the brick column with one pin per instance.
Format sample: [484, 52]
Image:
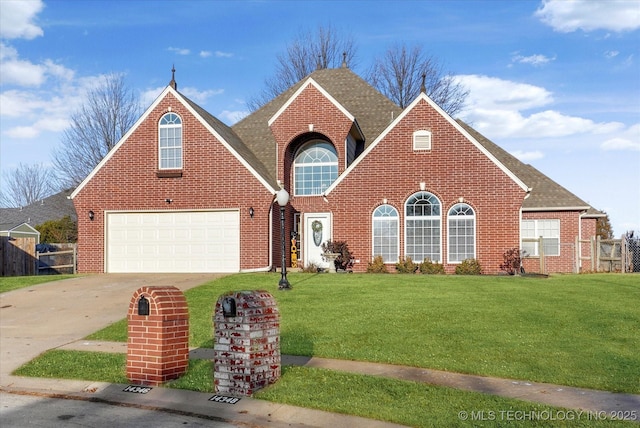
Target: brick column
[247, 348]
[158, 345]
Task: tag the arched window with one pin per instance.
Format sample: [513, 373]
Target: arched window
[462, 233]
[315, 168]
[385, 233]
[170, 141]
[423, 228]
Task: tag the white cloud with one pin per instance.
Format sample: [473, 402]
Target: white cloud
[200, 97]
[230, 117]
[15, 71]
[179, 51]
[628, 140]
[535, 60]
[528, 156]
[494, 93]
[495, 107]
[221, 54]
[567, 16]
[205, 54]
[16, 19]
[611, 54]
[22, 132]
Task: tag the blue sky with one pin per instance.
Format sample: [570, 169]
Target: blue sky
[556, 83]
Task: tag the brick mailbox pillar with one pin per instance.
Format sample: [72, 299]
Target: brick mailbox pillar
[158, 346]
[247, 348]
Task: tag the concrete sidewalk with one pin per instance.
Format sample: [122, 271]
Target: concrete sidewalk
[61, 313]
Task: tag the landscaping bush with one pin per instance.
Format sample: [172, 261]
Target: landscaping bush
[377, 266]
[310, 268]
[430, 268]
[511, 263]
[469, 267]
[406, 265]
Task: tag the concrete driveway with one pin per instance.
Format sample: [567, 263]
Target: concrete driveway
[50, 315]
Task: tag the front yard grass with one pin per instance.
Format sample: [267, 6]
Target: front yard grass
[577, 330]
[8, 283]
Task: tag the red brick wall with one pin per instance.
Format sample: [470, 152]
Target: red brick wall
[212, 178]
[453, 168]
[158, 343]
[569, 230]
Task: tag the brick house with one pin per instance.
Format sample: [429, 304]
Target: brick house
[183, 192]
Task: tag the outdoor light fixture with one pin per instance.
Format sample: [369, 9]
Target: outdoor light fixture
[91, 215]
[282, 197]
[168, 200]
[251, 212]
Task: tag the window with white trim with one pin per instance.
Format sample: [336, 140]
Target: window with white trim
[170, 141]
[462, 233]
[549, 230]
[385, 233]
[423, 228]
[422, 140]
[315, 168]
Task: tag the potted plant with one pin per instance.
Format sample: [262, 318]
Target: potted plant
[338, 255]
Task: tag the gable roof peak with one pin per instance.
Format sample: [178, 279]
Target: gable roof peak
[173, 83]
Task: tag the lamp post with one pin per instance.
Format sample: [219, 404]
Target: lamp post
[283, 198]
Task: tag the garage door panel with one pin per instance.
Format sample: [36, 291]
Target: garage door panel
[207, 241]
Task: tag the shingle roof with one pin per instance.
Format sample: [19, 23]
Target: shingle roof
[372, 110]
[253, 139]
[545, 193]
[51, 208]
[233, 140]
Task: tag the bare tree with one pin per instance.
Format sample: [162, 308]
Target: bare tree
[25, 185]
[398, 74]
[326, 48]
[109, 110]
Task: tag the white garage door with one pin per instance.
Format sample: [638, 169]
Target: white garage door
[194, 241]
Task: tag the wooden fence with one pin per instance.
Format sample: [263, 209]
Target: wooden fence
[18, 256]
[63, 259]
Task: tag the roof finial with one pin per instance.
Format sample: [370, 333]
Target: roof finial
[344, 60]
[423, 87]
[319, 62]
[173, 83]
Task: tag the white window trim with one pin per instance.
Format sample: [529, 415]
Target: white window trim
[538, 235]
[373, 220]
[422, 140]
[475, 233]
[160, 128]
[407, 218]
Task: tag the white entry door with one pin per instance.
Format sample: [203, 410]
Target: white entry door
[317, 230]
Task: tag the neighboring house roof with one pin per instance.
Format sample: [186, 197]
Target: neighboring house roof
[53, 207]
[20, 228]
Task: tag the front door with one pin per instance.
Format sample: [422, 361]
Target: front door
[317, 230]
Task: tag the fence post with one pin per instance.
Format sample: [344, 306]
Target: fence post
[541, 254]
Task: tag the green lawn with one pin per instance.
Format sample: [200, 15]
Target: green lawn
[578, 330]
[8, 283]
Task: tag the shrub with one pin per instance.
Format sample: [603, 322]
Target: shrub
[511, 263]
[469, 267]
[377, 266]
[58, 231]
[406, 265]
[430, 268]
[310, 268]
[343, 261]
